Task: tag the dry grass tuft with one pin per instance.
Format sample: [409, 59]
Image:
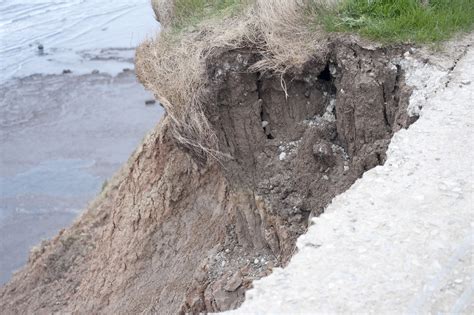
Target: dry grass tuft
[172, 65]
[285, 41]
[164, 10]
[173, 69]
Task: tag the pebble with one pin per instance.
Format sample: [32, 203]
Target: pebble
[465, 82]
[282, 156]
[256, 261]
[234, 283]
[150, 102]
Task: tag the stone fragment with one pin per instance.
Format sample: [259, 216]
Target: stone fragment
[234, 283]
[322, 152]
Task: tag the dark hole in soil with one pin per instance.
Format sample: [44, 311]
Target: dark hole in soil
[325, 75]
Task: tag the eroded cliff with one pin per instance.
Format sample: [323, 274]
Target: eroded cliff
[179, 231]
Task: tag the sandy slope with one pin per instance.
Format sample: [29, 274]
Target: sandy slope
[400, 240]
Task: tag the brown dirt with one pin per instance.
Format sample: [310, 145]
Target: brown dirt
[176, 232]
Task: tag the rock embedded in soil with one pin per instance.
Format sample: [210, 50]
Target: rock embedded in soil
[322, 152]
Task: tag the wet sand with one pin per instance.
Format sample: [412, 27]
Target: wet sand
[61, 137]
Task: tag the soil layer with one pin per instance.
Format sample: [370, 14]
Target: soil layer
[176, 232]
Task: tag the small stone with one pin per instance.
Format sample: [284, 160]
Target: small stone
[346, 168]
[126, 70]
[323, 153]
[40, 47]
[234, 283]
[67, 71]
[458, 281]
[255, 261]
[331, 106]
[227, 250]
[282, 156]
[150, 102]
[465, 82]
[264, 123]
[223, 263]
[325, 177]
[95, 71]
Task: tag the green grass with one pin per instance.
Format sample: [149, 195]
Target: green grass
[401, 20]
[188, 13]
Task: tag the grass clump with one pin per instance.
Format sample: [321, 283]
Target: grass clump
[185, 15]
[191, 12]
[173, 65]
[413, 21]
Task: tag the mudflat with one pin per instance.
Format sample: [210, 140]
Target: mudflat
[62, 136]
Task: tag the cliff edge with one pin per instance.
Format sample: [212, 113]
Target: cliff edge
[255, 143]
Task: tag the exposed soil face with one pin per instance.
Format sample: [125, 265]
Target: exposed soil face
[176, 233]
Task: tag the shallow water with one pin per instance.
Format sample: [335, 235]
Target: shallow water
[74, 34]
[63, 135]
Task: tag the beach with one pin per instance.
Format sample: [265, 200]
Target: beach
[71, 113]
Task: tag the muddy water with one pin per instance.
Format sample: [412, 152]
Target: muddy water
[75, 34]
[63, 135]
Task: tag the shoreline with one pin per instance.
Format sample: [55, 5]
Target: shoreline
[63, 136]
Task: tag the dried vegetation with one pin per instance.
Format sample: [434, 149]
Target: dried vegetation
[173, 67]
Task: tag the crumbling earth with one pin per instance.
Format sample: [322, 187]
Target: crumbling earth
[176, 231]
